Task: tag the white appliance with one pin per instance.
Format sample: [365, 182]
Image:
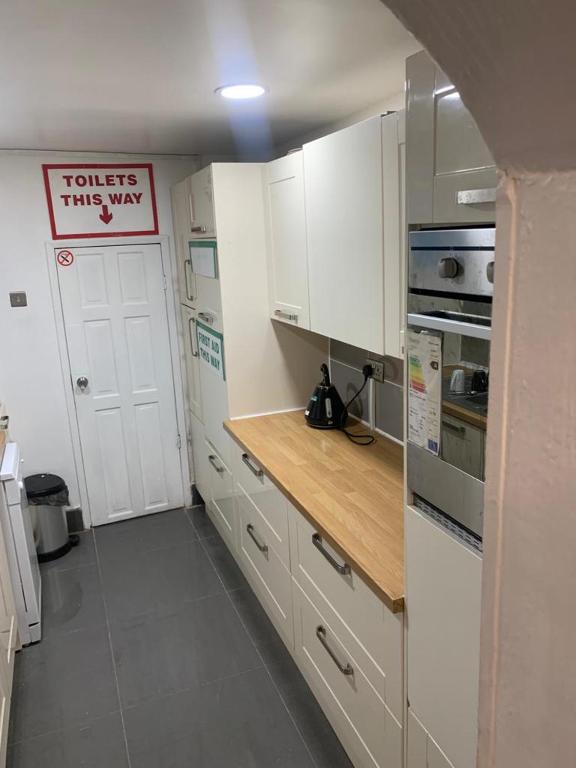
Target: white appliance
[18, 533]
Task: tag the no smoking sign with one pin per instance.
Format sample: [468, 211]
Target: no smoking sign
[65, 258]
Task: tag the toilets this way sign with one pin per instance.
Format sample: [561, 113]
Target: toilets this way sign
[101, 200]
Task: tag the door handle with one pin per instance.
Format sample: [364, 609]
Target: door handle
[476, 196]
[82, 383]
[343, 569]
[287, 315]
[454, 427]
[251, 467]
[198, 230]
[192, 334]
[206, 318]
[262, 547]
[346, 669]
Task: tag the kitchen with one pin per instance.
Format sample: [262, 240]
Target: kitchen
[262, 376]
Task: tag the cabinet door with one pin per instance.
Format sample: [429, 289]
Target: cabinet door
[443, 587]
[463, 446]
[200, 455]
[8, 639]
[202, 204]
[451, 177]
[343, 192]
[221, 507]
[287, 249]
[181, 220]
[192, 391]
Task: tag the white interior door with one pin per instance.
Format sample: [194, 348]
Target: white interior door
[114, 306]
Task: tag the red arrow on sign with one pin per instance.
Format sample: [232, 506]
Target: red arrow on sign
[106, 216]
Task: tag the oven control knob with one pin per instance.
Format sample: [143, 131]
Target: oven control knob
[448, 268]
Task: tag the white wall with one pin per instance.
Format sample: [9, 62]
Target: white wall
[30, 375]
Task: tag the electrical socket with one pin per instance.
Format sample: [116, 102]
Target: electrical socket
[377, 369]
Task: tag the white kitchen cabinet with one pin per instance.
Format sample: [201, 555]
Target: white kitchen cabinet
[266, 366]
[286, 240]
[200, 454]
[443, 590]
[221, 506]
[421, 749]
[201, 197]
[352, 181]
[192, 391]
[451, 176]
[9, 641]
[368, 731]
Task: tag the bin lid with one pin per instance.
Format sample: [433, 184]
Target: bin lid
[43, 485]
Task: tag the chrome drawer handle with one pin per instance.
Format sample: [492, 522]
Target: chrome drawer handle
[206, 318]
[251, 467]
[343, 569]
[346, 669]
[454, 428]
[262, 547]
[476, 196]
[200, 229]
[287, 315]
[217, 467]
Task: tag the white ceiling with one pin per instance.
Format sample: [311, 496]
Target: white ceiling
[139, 75]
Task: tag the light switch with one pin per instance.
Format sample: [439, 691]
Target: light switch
[18, 299]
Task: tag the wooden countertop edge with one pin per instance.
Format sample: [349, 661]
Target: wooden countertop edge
[394, 603]
[2, 443]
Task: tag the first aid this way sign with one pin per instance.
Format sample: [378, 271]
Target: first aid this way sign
[102, 200]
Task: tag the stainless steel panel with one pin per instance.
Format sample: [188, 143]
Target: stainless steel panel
[431, 252]
[454, 492]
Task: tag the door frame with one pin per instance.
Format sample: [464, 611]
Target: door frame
[168, 257]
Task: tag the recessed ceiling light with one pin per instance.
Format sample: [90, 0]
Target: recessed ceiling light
[241, 91]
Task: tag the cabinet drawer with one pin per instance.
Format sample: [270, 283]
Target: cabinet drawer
[366, 728]
[221, 506]
[265, 571]
[372, 632]
[478, 183]
[266, 501]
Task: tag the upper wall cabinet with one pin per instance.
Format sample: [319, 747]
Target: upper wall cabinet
[352, 181]
[450, 173]
[286, 235]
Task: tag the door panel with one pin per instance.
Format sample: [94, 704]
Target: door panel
[114, 306]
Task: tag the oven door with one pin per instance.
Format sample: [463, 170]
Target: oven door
[448, 470]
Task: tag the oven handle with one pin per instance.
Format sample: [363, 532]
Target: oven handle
[450, 326]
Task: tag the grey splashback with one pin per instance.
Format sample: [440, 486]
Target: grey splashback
[346, 366]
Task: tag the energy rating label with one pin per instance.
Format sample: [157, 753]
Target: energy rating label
[424, 389]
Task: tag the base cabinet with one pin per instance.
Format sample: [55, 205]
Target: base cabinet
[368, 731]
[346, 642]
[421, 749]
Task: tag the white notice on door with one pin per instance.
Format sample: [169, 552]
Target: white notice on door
[424, 389]
[211, 349]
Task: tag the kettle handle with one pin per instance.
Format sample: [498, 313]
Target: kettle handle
[325, 375]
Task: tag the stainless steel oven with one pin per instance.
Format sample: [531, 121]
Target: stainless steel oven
[450, 287]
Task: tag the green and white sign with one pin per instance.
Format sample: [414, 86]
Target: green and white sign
[211, 349]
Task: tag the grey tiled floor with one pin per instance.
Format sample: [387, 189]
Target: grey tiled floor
[156, 654]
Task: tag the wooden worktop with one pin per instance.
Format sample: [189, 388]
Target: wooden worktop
[352, 494]
[2, 443]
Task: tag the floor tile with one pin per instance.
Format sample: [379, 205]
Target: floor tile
[100, 744]
[61, 682]
[317, 732]
[224, 562]
[84, 553]
[158, 580]
[163, 653]
[71, 600]
[239, 722]
[203, 526]
[143, 534]
[276, 656]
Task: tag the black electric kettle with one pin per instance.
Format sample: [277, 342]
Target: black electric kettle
[326, 409]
